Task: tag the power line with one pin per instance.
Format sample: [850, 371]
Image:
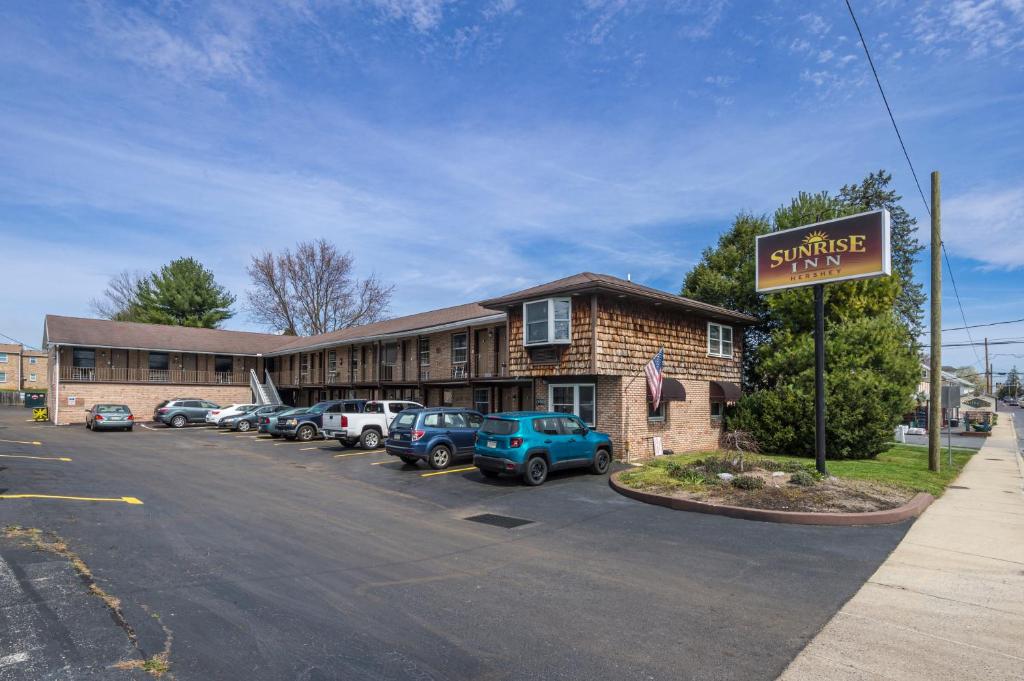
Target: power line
[15, 340]
[906, 154]
[978, 326]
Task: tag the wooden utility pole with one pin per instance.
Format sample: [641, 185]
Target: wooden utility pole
[935, 369]
[988, 371]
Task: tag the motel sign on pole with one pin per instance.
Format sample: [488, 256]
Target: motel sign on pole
[853, 247]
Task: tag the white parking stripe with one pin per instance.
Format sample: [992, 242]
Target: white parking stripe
[8, 660]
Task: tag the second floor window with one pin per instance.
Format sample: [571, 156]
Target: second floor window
[223, 364]
[547, 322]
[460, 348]
[159, 361]
[3, 358]
[424, 352]
[83, 358]
[31, 360]
[719, 340]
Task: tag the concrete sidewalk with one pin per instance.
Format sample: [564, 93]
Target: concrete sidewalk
[948, 603]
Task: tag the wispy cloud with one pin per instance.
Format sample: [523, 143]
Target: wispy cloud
[986, 226]
[984, 26]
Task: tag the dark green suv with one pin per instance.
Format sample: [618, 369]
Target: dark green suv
[180, 411]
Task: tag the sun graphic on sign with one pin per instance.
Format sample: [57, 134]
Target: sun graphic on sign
[815, 237]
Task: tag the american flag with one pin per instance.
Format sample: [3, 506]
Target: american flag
[654, 376]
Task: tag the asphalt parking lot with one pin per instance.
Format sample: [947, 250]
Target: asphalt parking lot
[240, 557]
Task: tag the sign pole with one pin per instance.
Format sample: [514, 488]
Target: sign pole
[819, 378]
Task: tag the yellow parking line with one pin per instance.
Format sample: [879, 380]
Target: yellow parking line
[23, 442]
[374, 451]
[379, 463]
[450, 470]
[41, 458]
[127, 500]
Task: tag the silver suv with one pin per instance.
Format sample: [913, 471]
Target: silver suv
[180, 411]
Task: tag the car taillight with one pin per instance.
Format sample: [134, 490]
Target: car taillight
[417, 434]
[344, 421]
[215, 412]
[98, 417]
[131, 417]
[515, 442]
[162, 410]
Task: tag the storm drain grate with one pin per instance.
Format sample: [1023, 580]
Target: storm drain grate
[505, 521]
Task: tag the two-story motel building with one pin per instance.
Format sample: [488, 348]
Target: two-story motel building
[578, 344]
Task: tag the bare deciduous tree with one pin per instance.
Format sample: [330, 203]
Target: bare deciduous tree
[120, 297]
[313, 291]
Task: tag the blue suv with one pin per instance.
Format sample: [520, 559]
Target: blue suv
[439, 435]
[532, 443]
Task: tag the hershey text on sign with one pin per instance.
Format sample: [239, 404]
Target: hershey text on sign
[853, 247]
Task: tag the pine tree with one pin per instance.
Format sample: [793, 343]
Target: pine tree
[183, 293]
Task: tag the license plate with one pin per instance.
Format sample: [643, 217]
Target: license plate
[117, 418]
[492, 444]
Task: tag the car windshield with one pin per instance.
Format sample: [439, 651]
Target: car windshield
[405, 420]
[495, 426]
[112, 409]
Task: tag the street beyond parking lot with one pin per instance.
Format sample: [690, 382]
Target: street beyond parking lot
[252, 558]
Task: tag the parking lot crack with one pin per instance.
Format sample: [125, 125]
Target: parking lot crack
[49, 542]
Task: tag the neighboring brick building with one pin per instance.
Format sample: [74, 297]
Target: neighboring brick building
[22, 369]
[577, 344]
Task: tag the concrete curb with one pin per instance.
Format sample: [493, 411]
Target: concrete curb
[911, 509]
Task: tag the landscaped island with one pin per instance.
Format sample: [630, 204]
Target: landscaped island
[790, 484]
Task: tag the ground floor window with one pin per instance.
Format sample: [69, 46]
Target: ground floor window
[482, 400]
[716, 411]
[575, 398]
[656, 414]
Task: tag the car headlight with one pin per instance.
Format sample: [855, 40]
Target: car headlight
[291, 422]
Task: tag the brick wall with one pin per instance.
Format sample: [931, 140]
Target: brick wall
[141, 399]
[39, 369]
[11, 367]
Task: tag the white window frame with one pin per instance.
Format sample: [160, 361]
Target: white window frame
[3, 358]
[721, 410]
[718, 352]
[550, 338]
[464, 348]
[3, 376]
[660, 415]
[32, 378]
[575, 398]
[31, 360]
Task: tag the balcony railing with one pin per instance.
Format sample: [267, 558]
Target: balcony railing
[137, 375]
[487, 365]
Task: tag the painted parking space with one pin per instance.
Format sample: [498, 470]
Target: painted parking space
[134, 501]
[37, 458]
[35, 443]
[448, 471]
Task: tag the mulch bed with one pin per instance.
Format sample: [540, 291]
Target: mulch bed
[828, 496]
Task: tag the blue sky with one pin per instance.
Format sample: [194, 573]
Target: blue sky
[462, 149]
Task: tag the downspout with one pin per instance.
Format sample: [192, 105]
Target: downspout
[56, 395]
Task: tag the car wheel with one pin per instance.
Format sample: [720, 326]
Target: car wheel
[440, 457]
[489, 473]
[602, 460]
[536, 471]
[305, 434]
[409, 460]
[370, 439]
[130, 428]
[244, 426]
[179, 421]
[88, 426]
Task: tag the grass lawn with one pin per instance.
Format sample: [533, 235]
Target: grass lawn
[902, 465]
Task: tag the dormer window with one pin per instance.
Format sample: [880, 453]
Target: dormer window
[547, 322]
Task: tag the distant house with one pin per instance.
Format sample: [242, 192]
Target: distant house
[22, 369]
[922, 397]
